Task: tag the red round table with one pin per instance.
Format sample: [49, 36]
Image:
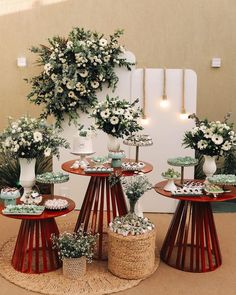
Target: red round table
[33, 250]
[100, 195]
[191, 243]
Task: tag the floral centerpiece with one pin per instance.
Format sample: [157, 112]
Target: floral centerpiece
[211, 138]
[74, 249]
[27, 139]
[117, 117]
[74, 69]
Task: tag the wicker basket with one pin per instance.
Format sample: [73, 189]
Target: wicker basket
[73, 268]
[131, 257]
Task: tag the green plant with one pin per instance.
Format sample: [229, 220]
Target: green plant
[30, 138]
[75, 245]
[74, 69]
[117, 117]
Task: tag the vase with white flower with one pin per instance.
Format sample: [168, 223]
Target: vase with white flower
[26, 139]
[74, 70]
[118, 118]
[212, 139]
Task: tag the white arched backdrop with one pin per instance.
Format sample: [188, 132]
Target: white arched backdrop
[163, 125]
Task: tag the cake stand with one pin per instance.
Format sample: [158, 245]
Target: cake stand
[116, 158]
[182, 162]
[137, 141]
[52, 178]
[82, 162]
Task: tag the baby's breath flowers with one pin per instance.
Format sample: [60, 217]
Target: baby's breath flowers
[75, 245]
[30, 138]
[74, 69]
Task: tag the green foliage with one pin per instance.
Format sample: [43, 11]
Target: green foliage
[74, 69]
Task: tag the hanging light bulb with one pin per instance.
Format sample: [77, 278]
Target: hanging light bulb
[164, 103]
[183, 115]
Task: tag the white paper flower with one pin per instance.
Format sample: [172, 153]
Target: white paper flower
[114, 120]
[202, 144]
[59, 89]
[102, 42]
[47, 152]
[107, 58]
[208, 133]
[38, 136]
[128, 116]
[71, 94]
[105, 114]
[119, 112]
[217, 139]
[226, 146]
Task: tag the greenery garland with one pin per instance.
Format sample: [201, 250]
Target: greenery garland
[74, 69]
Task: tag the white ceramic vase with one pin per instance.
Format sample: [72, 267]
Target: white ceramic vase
[209, 166]
[170, 185]
[27, 175]
[113, 143]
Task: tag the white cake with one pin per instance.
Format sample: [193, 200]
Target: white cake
[82, 144]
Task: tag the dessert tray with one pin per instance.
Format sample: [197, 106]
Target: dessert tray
[213, 189]
[9, 193]
[189, 189]
[139, 140]
[23, 210]
[52, 177]
[132, 166]
[182, 161]
[100, 160]
[223, 179]
[56, 204]
[98, 170]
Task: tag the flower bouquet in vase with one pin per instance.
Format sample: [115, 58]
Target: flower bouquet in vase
[117, 118]
[212, 139]
[75, 249]
[26, 139]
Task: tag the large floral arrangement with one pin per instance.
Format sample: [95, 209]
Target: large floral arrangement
[30, 138]
[75, 245]
[117, 117]
[73, 70]
[211, 138]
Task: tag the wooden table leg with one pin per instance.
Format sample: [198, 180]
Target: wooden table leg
[100, 199]
[33, 250]
[191, 243]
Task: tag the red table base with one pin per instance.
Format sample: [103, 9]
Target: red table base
[101, 200]
[33, 251]
[191, 243]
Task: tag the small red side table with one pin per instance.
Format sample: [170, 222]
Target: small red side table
[101, 197]
[191, 243]
[33, 250]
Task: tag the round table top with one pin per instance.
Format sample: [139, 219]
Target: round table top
[47, 214]
[203, 198]
[67, 167]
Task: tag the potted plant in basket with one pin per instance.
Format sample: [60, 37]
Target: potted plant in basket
[211, 139]
[27, 139]
[131, 239]
[74, 249]
[118, 118]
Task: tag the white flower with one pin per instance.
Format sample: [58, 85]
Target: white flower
[208, 133]
[54, 77]
[202, 144]
[47, 68]
[128, 116]
[114, 120]
[202, 128]
[8, 142]
[217, 139]
[231, 132]
[59, 89]
[95, 84]
[105, 114]
[71, 94]
[69, 44]
[226, 146]
[103, 42]
[70, 85]
[38, 136]
[47, 152]
[106, 58]
[83, 73]
[119, 111]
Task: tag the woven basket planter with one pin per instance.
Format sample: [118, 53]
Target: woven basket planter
[131, 257]
[73, 268]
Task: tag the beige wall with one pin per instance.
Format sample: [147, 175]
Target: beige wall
[161, 33]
